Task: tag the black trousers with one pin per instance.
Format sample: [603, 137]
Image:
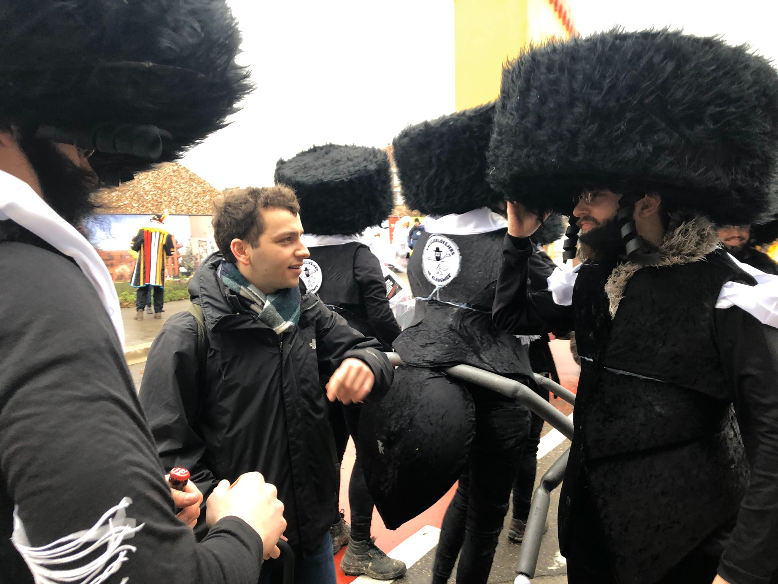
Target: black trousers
[345, 422]
[475, 517]
[142, 299]
[528, 467]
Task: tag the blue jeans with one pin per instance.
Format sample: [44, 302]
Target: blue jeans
[318, 568]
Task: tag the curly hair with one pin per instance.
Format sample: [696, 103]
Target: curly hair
[237, 215]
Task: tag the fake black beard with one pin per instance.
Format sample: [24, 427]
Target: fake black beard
[603, 243]
[66, 187]
[739, 252]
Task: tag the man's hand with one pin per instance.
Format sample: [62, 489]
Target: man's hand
[521, 223]
[719, 580]
[188, 501]
[256, 502]
[351, 382]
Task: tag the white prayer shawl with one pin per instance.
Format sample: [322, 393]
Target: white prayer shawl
[23, 206]
[20, 204]
[760, 301]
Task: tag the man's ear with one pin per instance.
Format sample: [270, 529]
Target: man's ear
[240, 249]
[6, 138]
[647, 206]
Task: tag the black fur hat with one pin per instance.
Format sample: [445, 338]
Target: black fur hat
[343, 190]
[81, 68]
[766, 233]
[688, 117]
[552, 229]
[442, 163]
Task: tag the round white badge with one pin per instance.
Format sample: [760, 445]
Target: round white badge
[311, 275]
[440, 260]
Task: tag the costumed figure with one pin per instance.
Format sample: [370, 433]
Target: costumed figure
[649, 139]
[414, 233]
[93, 92]
[344, 190]
[153, 244]
[433, 431]
[541, 360]
[742, 240]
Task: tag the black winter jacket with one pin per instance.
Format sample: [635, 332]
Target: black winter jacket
[746, 354]
[73, 440]
[259, 406]
[353, 282]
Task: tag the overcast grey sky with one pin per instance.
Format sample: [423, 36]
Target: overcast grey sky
[359, 71]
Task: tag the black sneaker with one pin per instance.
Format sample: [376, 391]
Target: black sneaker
[363, 557]
[339, 533]
[516, 531]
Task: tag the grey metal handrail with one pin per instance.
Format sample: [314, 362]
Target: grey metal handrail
[536, 522]
[541, 500]
[512, 389]
[553, 387]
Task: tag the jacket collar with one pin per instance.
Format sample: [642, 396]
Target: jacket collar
[222, 309]
[688, 240]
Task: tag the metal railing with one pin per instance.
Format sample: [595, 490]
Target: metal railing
[541, 500]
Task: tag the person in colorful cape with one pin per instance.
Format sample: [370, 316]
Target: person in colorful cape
[154, 245]
[648, 140]
[343, 190]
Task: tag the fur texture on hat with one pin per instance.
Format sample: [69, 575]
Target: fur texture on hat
[552, 229]
[342, 190]
[79, 64]
[442, 163]
[690, 118]
[765, 234]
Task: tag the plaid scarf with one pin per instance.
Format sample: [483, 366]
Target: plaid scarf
[280, 311]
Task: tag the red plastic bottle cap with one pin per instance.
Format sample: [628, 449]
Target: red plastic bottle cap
[179, 474]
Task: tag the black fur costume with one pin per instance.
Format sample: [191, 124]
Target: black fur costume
[350, 187]
[765, 234]
[416, 443]
[80, 64]
[657, 468]
[442, 163]
[691, 118]
[346, 188]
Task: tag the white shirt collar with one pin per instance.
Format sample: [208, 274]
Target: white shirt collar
[482, 220]
[322, 240]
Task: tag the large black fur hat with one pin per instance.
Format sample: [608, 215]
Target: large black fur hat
[688, 117]
[342, 190]
[766, 233]
[106, 70]
[442, 163]
[552, 229]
